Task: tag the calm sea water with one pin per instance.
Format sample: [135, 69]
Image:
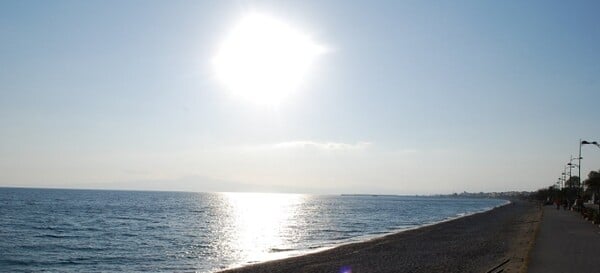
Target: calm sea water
[127, 231]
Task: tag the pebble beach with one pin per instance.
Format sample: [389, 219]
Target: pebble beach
[475, 243]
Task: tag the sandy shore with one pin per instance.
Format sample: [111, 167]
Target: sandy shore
[474, 243]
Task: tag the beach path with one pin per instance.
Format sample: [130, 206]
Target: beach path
[565, 243]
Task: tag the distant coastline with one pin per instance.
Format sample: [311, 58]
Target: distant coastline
[499, 195]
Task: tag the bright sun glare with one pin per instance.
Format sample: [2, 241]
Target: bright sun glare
[263, 60]
[262, 223]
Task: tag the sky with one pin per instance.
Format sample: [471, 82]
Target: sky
[406, 97]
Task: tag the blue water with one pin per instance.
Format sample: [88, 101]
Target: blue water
[127, 231]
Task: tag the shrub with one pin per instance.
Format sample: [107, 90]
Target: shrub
[591, 214]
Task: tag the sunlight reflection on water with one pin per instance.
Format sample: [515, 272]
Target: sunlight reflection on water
[261, 223]
[121, 231]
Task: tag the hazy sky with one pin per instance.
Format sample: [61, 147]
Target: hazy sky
[409, 97]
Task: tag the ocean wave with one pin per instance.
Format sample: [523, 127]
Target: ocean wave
[280, 249]
[175, 232]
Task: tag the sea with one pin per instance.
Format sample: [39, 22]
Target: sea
[58, 230]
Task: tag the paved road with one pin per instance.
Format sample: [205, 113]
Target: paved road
[565, 243]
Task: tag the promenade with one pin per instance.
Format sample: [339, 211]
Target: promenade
[565, 243]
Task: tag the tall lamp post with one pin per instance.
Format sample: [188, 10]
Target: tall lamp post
[564, 176]
[571, 166]
[581, 143]
[560, 183]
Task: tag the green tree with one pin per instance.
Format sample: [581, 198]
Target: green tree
[593, 181]
[548, 194]
[573, 182]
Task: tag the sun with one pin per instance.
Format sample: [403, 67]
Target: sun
[263, 60]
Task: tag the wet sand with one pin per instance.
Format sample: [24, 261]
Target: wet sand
[474, 243]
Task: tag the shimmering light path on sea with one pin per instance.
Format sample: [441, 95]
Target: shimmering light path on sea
[127, 231]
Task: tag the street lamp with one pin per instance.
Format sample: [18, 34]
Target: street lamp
[560, 183]
[571, 166]
[581, 143]
[564, 177]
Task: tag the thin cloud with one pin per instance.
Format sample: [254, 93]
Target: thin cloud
[326, 146]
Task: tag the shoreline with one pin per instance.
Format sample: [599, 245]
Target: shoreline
[356, 256]
[359, 239]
